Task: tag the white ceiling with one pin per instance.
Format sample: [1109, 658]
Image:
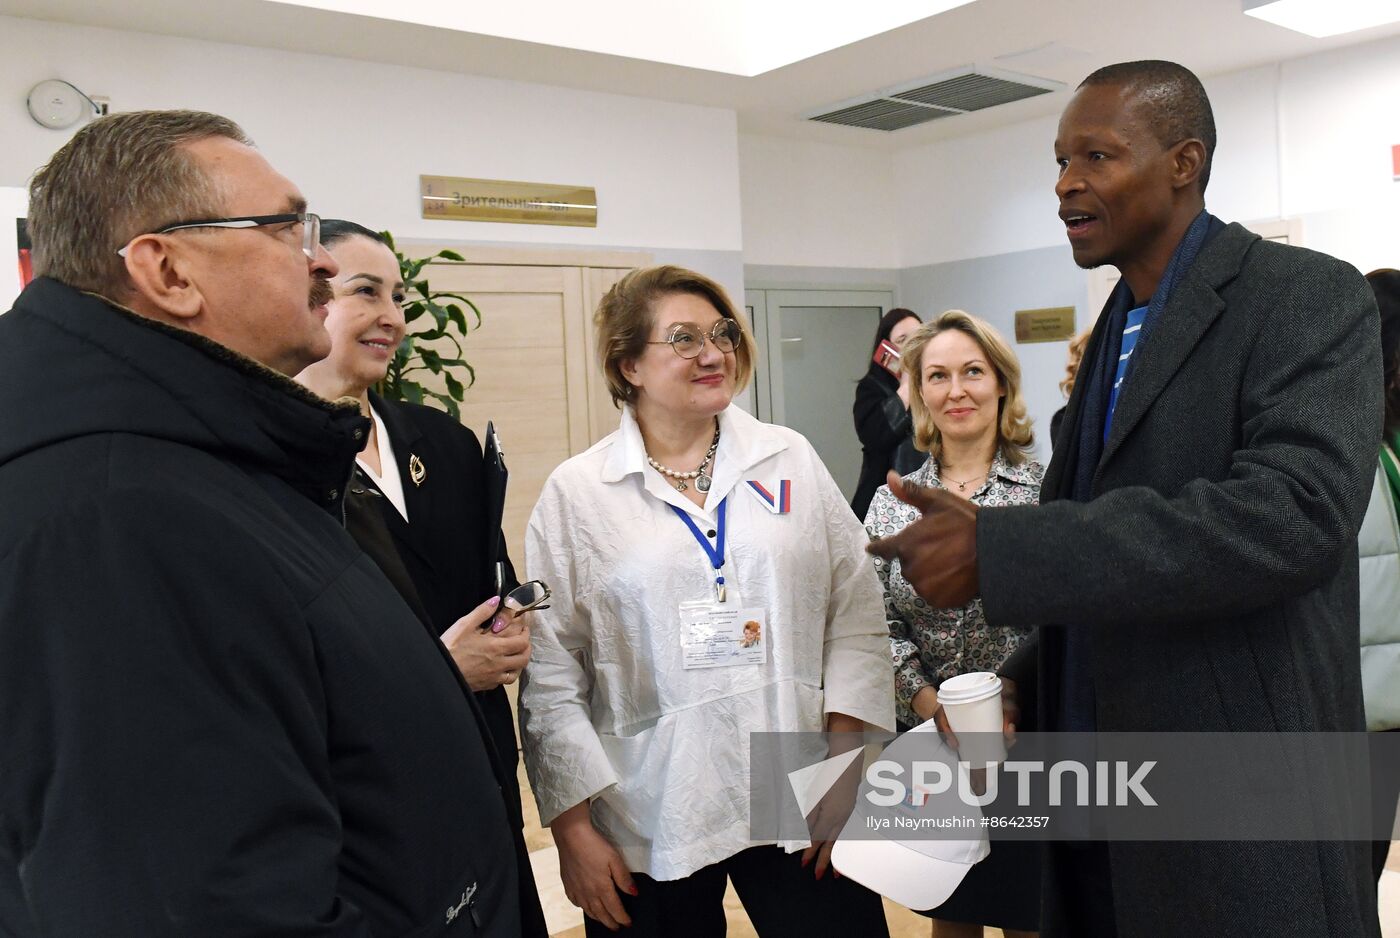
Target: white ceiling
[738, 37]
[1061, 40]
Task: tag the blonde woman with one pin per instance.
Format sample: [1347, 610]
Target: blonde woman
[1075, 356]
[662, 543]
[970, 418]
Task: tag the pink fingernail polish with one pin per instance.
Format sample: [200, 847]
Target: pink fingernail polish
[494, 601]
[497, 625]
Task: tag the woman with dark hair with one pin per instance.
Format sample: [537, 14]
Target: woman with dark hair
[1379, 543]
[882, 410]
[415, 506]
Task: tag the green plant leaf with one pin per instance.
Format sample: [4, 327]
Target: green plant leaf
[448, 404]
[454, 313]
[449, 325]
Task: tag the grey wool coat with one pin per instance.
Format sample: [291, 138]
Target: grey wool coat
[1216, 565]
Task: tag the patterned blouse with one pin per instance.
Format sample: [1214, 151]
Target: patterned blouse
[931, 645]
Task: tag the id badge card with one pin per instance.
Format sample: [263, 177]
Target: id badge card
[718, 635]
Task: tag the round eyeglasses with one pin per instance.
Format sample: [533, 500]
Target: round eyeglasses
[687, 341]
[310, 227]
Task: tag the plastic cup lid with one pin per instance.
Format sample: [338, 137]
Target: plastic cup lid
[969, 688]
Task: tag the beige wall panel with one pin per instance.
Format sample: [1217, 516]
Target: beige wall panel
[525, 320]
[532, 429]
[603, 416]
[529, 373]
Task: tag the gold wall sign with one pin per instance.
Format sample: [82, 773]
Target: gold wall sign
[529, 203]
[1045, 325]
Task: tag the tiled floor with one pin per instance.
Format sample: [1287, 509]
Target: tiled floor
[565, 921]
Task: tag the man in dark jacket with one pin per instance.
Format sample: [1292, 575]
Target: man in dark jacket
[1195, 546]
[218, 716]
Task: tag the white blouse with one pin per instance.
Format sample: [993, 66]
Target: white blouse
[390, 483]
[607, 711]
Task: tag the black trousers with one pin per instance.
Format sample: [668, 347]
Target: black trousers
[780, 897]
[1079, 876]
[1385, 791]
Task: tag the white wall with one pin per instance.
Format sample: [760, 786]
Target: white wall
[14, 204]
[1306, 138]
[993, 193]
[356, 135]
[1340, 116]
[814, 204]
[976, 196]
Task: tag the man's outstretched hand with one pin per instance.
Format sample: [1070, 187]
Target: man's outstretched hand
[938, 553]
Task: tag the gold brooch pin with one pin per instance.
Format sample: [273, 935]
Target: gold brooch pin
[416, 470]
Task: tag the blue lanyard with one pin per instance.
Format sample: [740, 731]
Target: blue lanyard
[716, 553]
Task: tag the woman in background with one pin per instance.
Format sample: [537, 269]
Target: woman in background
[969, 416]
[662, 543]
[1076, 355]
[882, 409]
[415, 506]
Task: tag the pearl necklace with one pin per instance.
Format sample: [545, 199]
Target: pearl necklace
[701, 477]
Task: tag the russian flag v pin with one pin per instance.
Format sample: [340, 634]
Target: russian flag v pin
[780, 503]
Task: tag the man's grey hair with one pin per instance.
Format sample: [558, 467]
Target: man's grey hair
[119, 177]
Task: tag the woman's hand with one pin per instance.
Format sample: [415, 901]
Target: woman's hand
[591, 868]
[487, 659]
[903, 389]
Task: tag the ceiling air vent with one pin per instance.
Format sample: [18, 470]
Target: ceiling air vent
[917, 102]
[882, 114]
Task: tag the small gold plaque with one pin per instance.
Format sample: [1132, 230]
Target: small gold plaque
[498, 200]
[1045, 325]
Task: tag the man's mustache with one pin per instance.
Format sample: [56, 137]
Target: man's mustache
[321, 292]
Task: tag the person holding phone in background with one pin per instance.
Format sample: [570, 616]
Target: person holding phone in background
[881, 411]
[414, 505]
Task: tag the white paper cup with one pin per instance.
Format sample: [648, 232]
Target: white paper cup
[973, 704]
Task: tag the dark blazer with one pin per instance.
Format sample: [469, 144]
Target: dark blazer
[882, 424]
[443, 544]
[217, 717]
[438, 562]
[1216, 566]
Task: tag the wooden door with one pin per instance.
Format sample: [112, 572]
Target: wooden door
[531, 373]
[537, 376]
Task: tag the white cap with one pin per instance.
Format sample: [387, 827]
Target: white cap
[921, 873]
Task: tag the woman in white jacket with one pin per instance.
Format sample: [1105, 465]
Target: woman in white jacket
[667, 544]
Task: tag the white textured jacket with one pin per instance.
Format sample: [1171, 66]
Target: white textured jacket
[1379, 542]
[607, 711]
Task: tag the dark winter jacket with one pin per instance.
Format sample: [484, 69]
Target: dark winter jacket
[217, 716]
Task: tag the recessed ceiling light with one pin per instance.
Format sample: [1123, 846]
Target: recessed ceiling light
[1322, 18]
[738, 37]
